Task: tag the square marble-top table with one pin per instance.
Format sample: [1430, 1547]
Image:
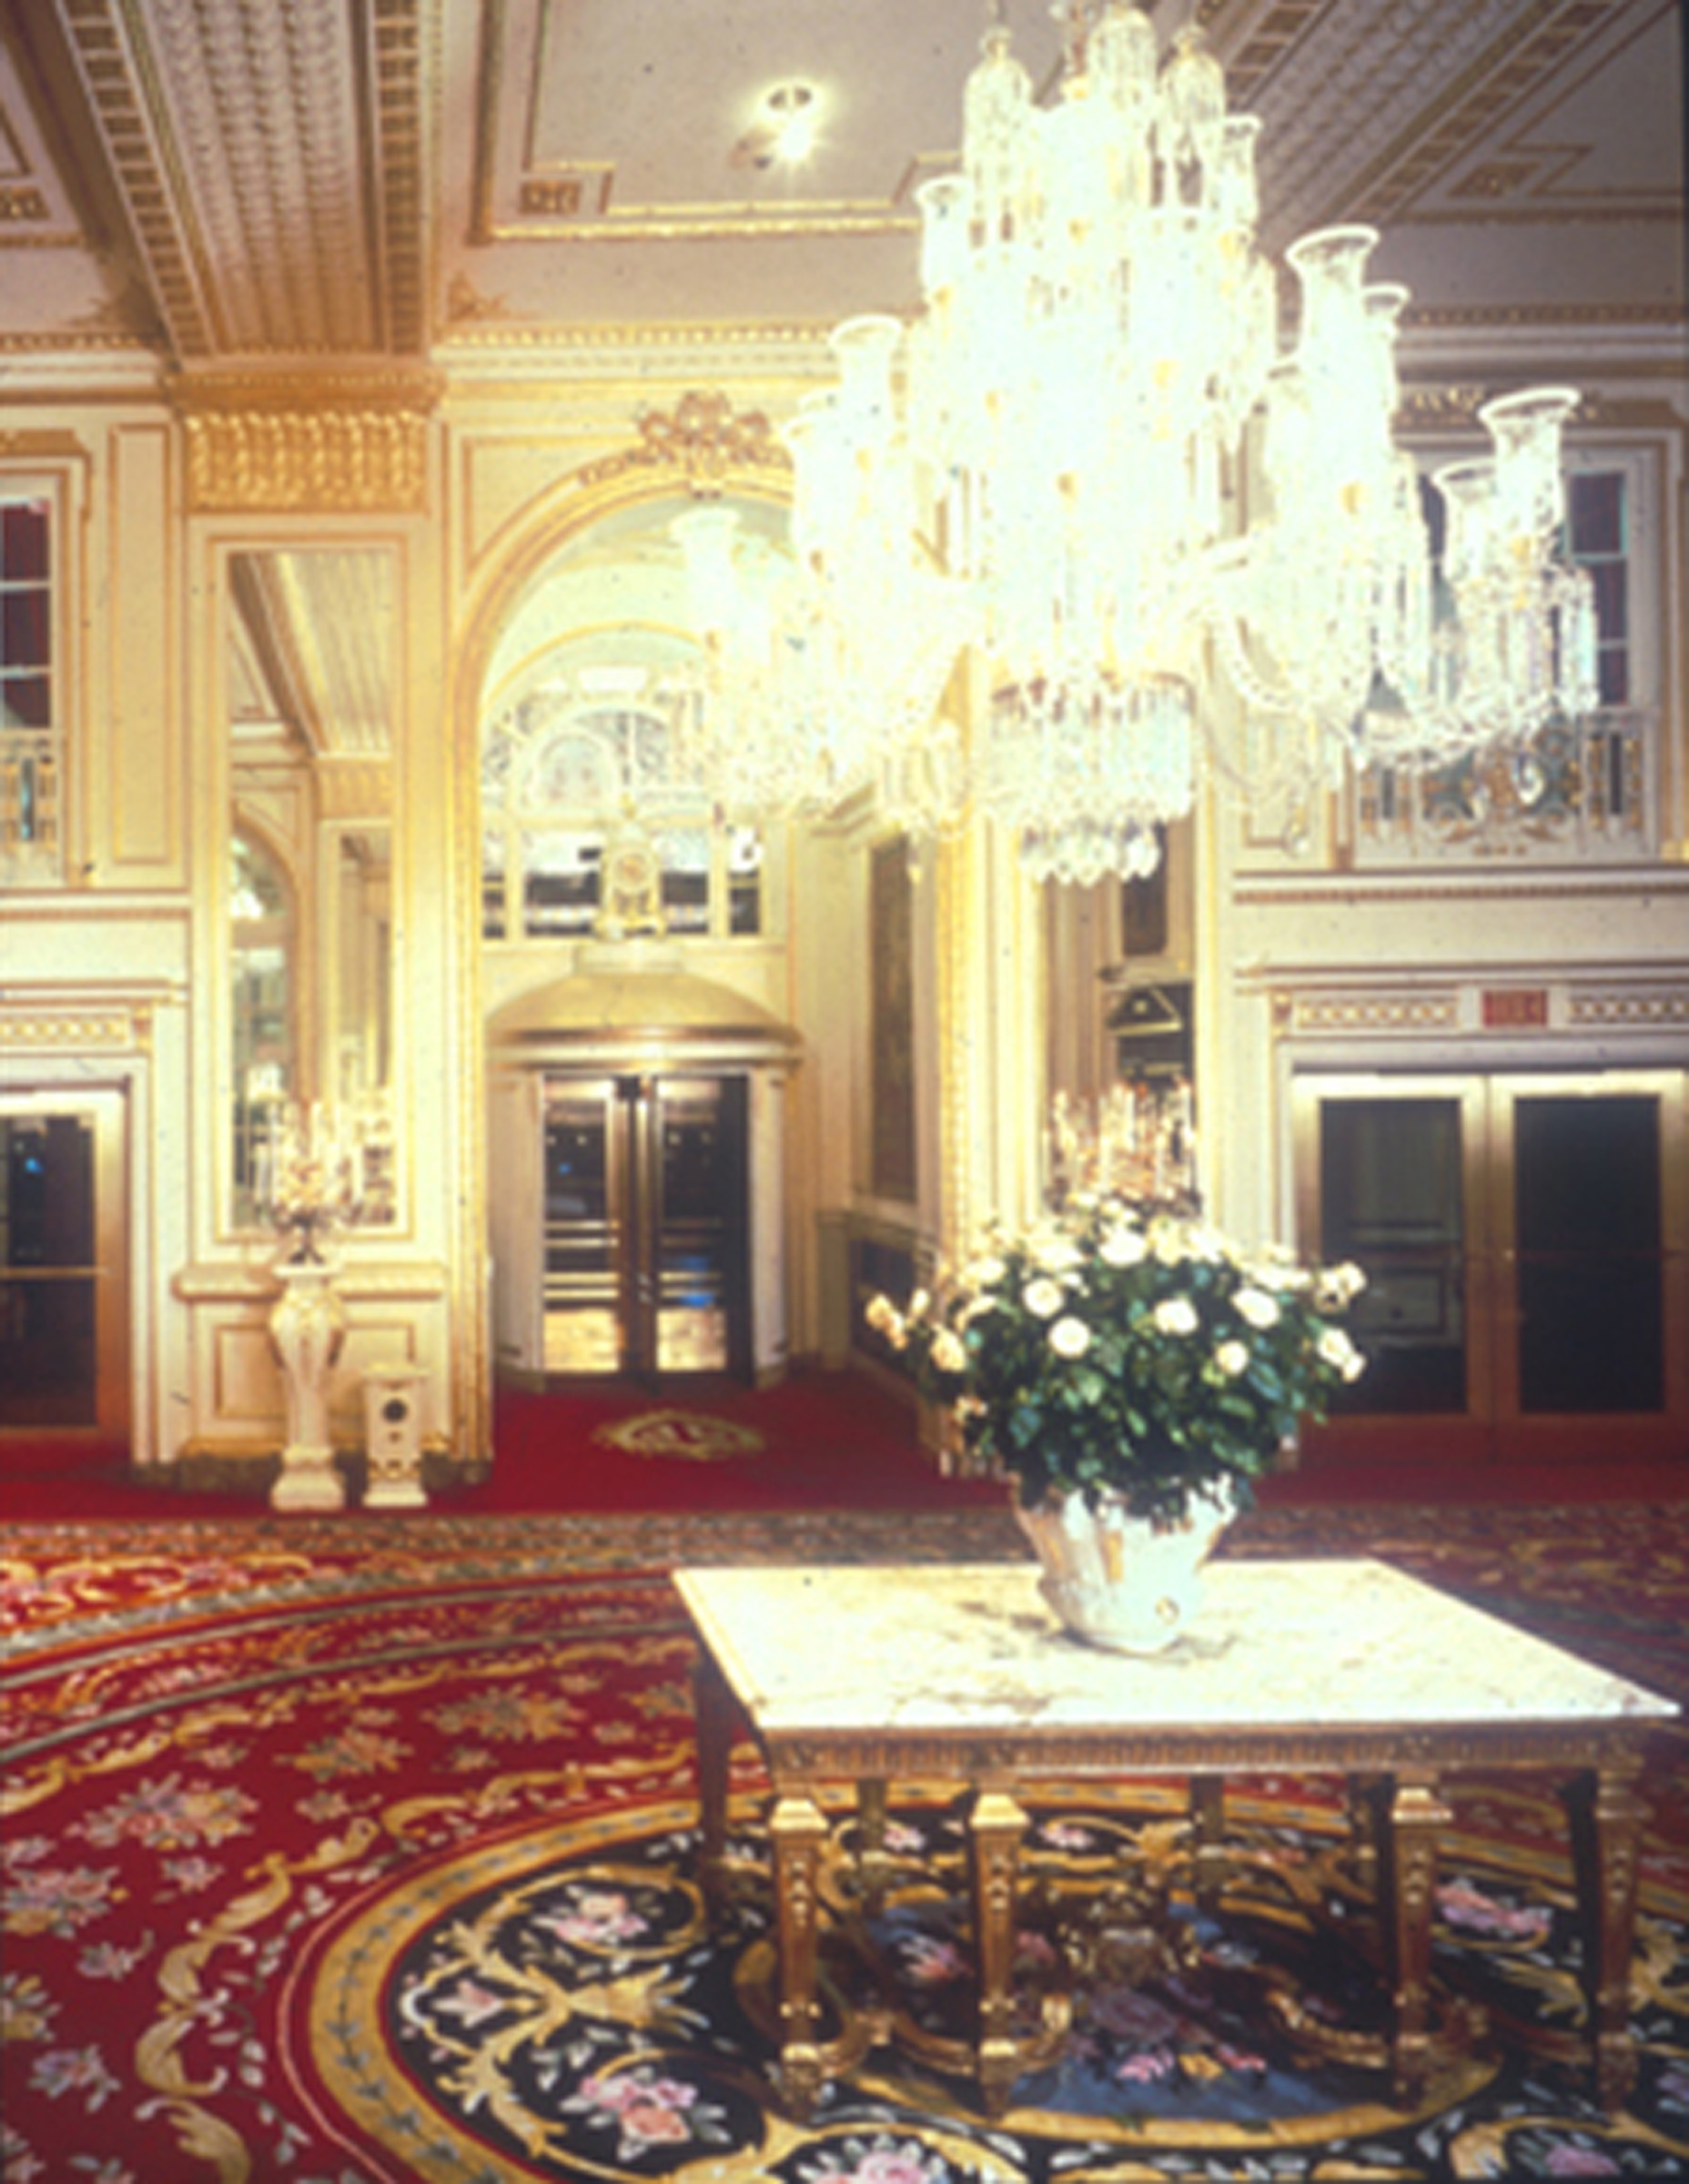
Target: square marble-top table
[871, 1674]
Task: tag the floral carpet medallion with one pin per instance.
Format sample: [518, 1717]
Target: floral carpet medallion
[360, 1854]
[555, 2005]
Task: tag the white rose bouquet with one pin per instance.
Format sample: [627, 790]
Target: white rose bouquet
[1111, 1348]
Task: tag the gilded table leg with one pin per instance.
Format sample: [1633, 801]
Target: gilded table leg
[1416, 1813]
[713, 1715]
[798, 1833]
[1208, 1828]
[872, 1862]
[1605, 1820]
[1366, 1793]
[996, 1830]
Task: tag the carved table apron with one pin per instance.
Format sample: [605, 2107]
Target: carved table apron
[955, 1672]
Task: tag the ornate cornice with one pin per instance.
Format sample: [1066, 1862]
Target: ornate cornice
[702, 439]
[271, 160]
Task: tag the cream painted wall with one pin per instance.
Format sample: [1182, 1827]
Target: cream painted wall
[120, 972]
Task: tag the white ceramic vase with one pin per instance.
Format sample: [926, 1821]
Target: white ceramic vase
[1129, 1583]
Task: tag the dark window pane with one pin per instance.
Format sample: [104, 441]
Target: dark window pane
[1391, 1200]
[560, 901]
[24, 541]
[1612, 601]
[25, 702]
[1595, 502]
[1612, 675]
[26, 629]
[1587, 1209]
[745, 904]
[686, 899]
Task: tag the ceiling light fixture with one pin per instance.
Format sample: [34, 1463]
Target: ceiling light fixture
[784, 133]
[1089, 459]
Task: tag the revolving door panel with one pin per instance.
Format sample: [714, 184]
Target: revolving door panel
[646, 1247]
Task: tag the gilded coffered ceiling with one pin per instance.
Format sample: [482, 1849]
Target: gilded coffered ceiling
[234, 185]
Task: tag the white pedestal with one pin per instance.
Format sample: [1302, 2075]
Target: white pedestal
[307, 1328]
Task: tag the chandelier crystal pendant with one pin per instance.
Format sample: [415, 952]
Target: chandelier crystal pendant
[1054, 467]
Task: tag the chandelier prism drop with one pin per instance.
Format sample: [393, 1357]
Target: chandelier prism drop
[1089, 461]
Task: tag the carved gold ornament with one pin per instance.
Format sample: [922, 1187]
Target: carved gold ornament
[689, 1435]
[702, 437]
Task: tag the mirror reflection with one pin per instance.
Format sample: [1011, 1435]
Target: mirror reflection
[311, 701]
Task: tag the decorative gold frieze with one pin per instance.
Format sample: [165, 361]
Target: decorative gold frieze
[350, 443]
[1364, 1015]
[104, 1031]
[1633, 1009]
[702, 437]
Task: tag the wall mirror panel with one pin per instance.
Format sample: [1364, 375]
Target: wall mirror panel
[312, 701]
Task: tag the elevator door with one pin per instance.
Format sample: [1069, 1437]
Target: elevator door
[1523, 1239]
[64, 1310]
[645, 1267]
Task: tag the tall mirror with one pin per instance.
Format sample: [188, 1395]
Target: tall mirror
[312, 693]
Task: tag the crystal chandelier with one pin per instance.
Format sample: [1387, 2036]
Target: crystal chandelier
[1089, 460]
[798, 704]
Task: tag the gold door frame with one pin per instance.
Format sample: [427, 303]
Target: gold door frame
[1492, 1423]
[105, 1108]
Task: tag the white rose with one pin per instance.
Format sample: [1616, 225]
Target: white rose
[1060, 1255]
[881, 1315]
[1170, 1243]
[1042, 1298]
[1121, 1247]
[1232, 1358]
[1176, 1315]
[1071, 1338]
[947, 1353]
[1336, 1349]
[1338, 1287]
[985, 1272]
[1256, 1307]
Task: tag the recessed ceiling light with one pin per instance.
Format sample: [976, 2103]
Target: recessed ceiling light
[784, 133]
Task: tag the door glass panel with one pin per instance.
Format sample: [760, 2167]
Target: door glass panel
[582, 1261]
[700, 1225]
[49, 1366]
[645, 1226]
[1390, 1197]
[1586, 1185]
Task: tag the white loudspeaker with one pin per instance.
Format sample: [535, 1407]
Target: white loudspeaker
[393, 1437]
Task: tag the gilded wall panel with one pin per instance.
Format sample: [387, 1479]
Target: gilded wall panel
[135, 787]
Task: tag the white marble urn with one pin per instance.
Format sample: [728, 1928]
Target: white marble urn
[1129, 1583]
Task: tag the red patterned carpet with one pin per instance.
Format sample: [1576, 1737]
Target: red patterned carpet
[355, 1854]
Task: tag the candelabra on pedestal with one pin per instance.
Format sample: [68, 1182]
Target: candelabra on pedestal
[314, 1176]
